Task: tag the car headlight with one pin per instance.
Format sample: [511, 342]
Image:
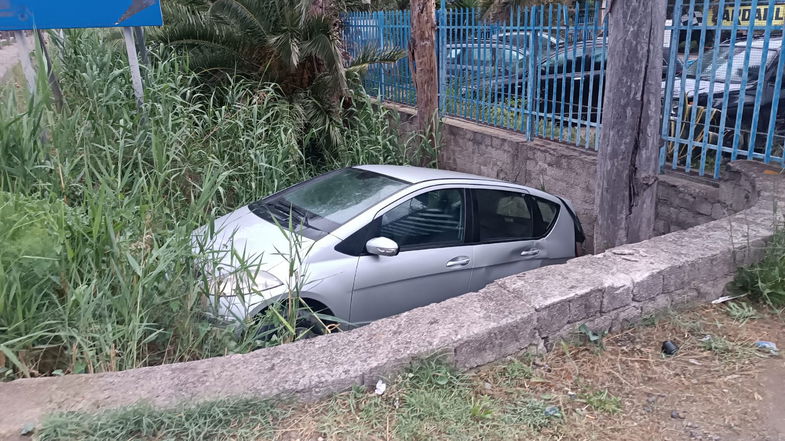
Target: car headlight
[243, 283]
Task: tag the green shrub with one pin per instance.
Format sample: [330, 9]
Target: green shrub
[765, 281]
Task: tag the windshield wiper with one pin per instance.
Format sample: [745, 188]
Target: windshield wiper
[287, 209]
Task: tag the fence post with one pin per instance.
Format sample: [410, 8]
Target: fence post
[442, 55]
[380, 27]
[531, 74]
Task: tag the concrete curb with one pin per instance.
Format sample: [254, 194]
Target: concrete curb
[533, 309]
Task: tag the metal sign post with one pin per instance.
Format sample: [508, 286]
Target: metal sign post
[24, 58]
[133, 61]
[54, 83]
[21, 15]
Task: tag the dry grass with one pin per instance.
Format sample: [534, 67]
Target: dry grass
[627, 391]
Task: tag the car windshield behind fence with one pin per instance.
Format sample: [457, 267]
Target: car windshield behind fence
[717, 67]
[721, 81]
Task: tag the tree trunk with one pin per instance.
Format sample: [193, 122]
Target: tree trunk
[626, 186]
[423, 46]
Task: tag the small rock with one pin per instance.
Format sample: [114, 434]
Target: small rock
[552, 411]
[487, 386]
[27, 429]
[676, 415]
[320, 439]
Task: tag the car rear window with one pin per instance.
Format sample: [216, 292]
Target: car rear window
[549, 211]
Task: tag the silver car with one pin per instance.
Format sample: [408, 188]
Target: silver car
[376, 240]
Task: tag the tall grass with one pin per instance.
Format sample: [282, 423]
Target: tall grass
[98, 203]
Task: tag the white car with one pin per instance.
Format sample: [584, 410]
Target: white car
[377, 240]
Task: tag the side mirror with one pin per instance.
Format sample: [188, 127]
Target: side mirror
[382, 246]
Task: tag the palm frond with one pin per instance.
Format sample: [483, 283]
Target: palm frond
[244, 15]
[286, 41]
[370, 55]
[321, 42]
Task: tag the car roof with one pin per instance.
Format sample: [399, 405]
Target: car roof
[416, 175]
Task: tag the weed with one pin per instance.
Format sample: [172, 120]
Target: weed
[433, 373]
[529, 412]
[765, 280]
[591, 337]
[727, 350]
[246, 419]
[601, 400]
[517, 370]
[481, 408]
[742, 312]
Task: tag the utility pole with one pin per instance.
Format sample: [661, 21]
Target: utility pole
[422, 47]
[626, 185]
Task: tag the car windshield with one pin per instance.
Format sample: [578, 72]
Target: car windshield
[718, 68]
[328, 201]
[523, 40]
[576, 58]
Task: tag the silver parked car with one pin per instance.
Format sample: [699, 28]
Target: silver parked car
[379, 240]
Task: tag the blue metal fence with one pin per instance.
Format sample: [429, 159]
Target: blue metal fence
[725, 103]
[383, 29]
[541, 71]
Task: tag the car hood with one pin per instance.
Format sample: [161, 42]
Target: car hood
[704, 87]
[242, 236]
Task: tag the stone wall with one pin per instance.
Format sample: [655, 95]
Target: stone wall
[530, 310]
[567, 171]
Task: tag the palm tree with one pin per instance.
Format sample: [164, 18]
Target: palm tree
[295, 44]
[287, 42]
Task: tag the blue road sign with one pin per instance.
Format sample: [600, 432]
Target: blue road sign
[17, 15]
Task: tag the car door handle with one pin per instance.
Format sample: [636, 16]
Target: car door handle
[529, 253]
[458, 261]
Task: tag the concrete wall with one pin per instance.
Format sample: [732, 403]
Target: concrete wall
[567, 171]
[529, 310]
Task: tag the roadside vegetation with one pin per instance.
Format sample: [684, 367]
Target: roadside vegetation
[97, 203]
[625, 390]
[597, 386]
[765, 281]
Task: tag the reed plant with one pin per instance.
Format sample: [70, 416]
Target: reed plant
[99, 202]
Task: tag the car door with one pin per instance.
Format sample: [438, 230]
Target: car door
[510, 232]
[434, 262]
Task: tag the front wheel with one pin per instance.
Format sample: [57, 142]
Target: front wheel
[274, 322]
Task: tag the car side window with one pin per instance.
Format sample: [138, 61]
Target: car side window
[428, 220]
[482, 55]
[548, 213]
[503, 215]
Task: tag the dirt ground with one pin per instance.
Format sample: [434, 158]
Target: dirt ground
[717, 387]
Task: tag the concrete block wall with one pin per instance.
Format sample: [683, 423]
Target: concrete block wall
[567, 171]
[531, 310]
